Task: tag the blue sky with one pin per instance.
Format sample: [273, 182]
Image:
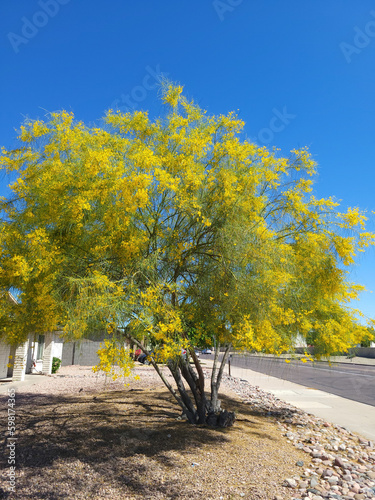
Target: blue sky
[298, 73]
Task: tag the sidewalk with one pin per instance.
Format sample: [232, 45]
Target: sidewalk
[356, 417]
[30, 379]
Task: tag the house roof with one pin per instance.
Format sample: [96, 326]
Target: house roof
[12, 298]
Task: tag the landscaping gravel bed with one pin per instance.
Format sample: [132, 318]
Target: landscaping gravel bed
[341, 463]
[81, 437]
[328, 461]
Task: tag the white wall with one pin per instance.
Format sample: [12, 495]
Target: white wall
[57, 351]
[4, 359]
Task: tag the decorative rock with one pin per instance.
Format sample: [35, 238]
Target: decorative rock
[327, 473]
[339, 462]
[313, 482]
[333, 480]
[290, 483]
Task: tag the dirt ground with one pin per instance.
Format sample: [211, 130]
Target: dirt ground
[79, 439]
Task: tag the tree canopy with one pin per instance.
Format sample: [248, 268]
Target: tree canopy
[174, 233]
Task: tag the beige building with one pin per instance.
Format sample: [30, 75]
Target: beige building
[33, 356]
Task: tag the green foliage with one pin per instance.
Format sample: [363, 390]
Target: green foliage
[369, 337]
[56, 363]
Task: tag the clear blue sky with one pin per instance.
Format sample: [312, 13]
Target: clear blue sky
[311, 62]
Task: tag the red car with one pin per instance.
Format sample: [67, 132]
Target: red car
[137, 353]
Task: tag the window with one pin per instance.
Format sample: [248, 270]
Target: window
[39, 354]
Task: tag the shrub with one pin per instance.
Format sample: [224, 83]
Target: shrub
[56, 362]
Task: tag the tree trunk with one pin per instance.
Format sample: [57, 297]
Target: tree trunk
[203, 411]
[217, 375]
[215, 415]
[188, 408]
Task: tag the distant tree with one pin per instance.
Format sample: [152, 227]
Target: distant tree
[369, 337]
[174, 233]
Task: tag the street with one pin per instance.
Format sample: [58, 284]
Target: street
[355, 382]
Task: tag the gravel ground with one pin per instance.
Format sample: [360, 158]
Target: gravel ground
[302, 457]
[342, 463]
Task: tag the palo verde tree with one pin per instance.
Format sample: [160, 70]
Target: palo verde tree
[174, 233]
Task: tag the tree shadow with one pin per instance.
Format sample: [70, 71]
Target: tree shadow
[115, 435]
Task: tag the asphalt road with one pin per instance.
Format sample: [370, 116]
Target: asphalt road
[355, 382]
